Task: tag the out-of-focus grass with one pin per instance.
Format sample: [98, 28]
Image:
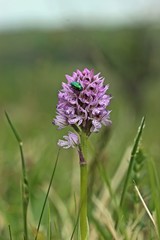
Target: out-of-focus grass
[32, 67]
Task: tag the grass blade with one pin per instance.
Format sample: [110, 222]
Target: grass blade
[49, 224]
[131, 163]
[13, 128]
[102, 231]
[76, 224]
[45, 200]
[154, 185]
[10, 232]
[25, 187]
[146, 208]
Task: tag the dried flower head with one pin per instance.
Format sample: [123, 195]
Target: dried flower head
[82, 102]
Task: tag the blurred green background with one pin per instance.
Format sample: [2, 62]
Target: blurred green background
[33, 65]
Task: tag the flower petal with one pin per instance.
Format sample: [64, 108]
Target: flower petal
[71, 140]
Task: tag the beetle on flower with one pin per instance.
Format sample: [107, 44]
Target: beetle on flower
[82, 103]
[77, 86]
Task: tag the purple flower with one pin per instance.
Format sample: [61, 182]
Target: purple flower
[71, 140]
[83, 108]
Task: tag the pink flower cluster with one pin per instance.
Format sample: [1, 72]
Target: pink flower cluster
[85, 108]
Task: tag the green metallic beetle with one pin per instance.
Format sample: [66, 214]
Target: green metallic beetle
[77, 86]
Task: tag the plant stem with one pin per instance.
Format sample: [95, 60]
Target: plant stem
[84, 231]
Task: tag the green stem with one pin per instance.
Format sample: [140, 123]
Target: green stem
[83, 188]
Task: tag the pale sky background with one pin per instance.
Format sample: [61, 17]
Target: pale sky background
[61, 13]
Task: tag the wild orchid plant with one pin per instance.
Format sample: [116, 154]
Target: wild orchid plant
[82, 104]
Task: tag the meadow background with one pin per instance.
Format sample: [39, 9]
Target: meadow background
[33, 64]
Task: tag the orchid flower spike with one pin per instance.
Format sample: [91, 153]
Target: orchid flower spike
[82, 104]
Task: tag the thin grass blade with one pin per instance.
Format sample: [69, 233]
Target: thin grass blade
[25, 186]
[10, 232]
[130, 168]
[102, 231]
[155, 191]
[131, 162]
[13, 128]
[49, 223]
[45, 200]
[76, 225]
